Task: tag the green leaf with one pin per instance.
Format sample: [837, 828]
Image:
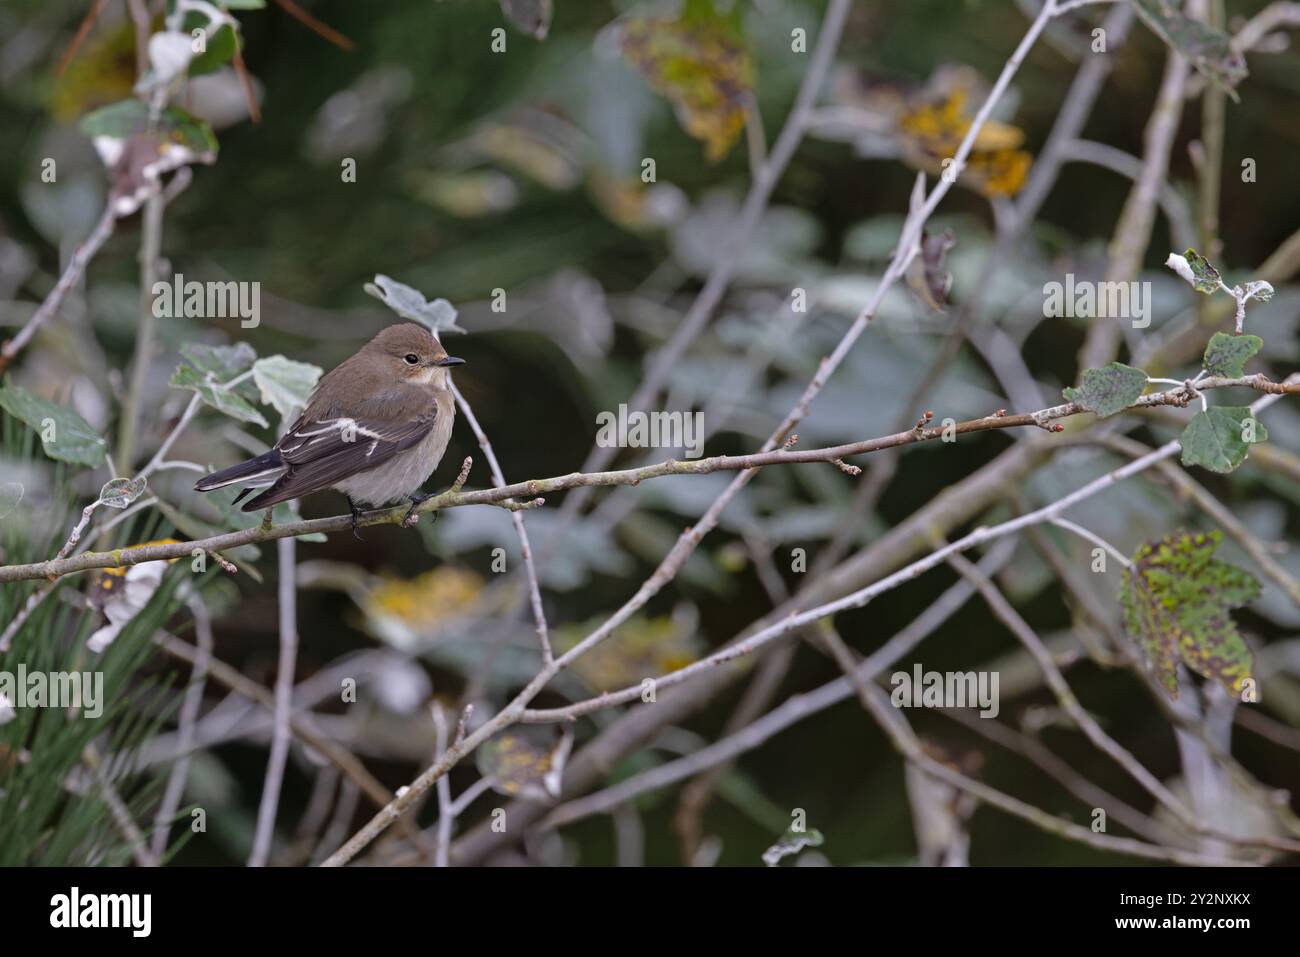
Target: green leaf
[70, 437]
[223, 362]
[286, 385]
[117, 120]
[126, 118]
[410, 304]
[792, 842]
[215, 395]
[121, 492]
[1108, 390]
[1219, 438]
[137, 153]
[1226, 355]
[244, 4]
[1207, 278]
[220, 49]
[1177, 600]
[1207, 49]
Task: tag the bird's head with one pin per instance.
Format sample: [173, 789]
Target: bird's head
[413, 354]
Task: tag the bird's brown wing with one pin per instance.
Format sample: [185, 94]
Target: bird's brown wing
[324, 447]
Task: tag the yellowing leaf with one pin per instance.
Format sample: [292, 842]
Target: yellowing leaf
[999, 174]
[102, 72]
[641, 648]
[435, 596]
[702, 67]
[520, 766]
[994, 137]
[932, 132]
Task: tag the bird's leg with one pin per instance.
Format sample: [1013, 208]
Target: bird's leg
[415, 498]
[356, 514]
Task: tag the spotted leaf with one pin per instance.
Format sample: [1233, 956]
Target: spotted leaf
[1177, 600]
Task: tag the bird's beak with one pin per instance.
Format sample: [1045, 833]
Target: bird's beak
[450, 361]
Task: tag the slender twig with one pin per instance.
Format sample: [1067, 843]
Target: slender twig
[1208, 154]
[1278, 14]
[315, 25]
[534, 588]
[344, 810]
[187, 416]
[446, 818]
[1280, 734]
[1133, 231]
[283, 705]
[75, 535]
[755, 140]
[189, 715]
[20, 619]
[1066, 6]
[83, 31]
[1171, 201]
[117, 520]
[469, 795]
[246, 84]
[72, 274]
[117, 808]
[140, 19]
[1093, 537]
[150, 250]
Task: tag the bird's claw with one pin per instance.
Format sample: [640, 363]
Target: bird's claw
[356, 514]
[412, 516]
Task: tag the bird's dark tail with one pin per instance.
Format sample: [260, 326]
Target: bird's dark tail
[263, 470]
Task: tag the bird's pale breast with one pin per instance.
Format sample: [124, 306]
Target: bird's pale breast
[406, 471]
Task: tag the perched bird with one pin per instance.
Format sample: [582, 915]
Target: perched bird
[375, 428]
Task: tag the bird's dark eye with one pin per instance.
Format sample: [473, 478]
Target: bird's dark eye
[412, 358]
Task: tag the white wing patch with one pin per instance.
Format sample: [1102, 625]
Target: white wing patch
[347, 428]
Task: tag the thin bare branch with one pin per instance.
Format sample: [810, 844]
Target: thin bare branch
[266, 812]
[72, 274]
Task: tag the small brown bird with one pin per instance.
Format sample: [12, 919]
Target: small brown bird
[375, 428]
